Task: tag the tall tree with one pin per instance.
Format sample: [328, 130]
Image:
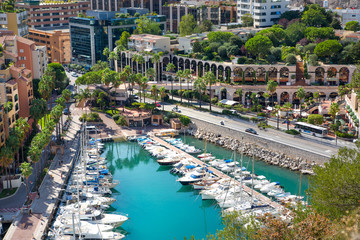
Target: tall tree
[334, 110]
[24, 128]
[26, 171]
[187, 25]
[156, 57]
[58, 74]
[271, 88]
[38, 109]
[200, 87]
[287, 106]
[187, 75]
[146, 25]
[209, 79]
[162, 92]
[247, 20]
[259, 45]
[170, 68]
[352, 26]
[301, 94]
[180, 75]
[154, 91]
[239, 92]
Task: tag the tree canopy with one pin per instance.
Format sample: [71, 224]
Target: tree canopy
[247, 20]
[187, 25]
[146, 25]
[219, 37]
[352, 26]
[327, 48]
[315, 16]
[259, 45]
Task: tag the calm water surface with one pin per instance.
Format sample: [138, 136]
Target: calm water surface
[161, 208]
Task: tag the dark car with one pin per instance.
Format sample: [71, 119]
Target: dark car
[250, 130]
[134, 96]
[66, 111]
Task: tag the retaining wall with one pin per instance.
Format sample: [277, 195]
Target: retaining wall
[291, 151]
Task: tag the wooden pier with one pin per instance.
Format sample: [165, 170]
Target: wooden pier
[220, 174]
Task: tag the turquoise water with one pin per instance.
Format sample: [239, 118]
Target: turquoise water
[158, 206]
[161, 208]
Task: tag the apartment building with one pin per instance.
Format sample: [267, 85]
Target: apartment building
[149, 43]
[89, 36]
[264, 12]
[347, 15]
[15, 22]
[116, 5]
[57, 43]
[53, 14]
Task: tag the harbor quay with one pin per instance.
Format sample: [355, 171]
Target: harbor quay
[221, 175]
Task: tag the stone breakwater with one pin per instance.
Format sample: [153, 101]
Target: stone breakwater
[253, 150]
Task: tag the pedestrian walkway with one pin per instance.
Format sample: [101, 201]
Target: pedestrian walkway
[33, 223]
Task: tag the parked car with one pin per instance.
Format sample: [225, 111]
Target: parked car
[66, 111]
[250, 130]
[74, 74]
[133, 96]
[176, 109]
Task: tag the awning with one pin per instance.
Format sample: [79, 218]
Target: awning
[228, 102]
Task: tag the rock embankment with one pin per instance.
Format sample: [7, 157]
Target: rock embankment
[253, 150]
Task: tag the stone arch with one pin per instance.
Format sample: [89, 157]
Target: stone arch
[223, 93]
[295, 99]
[309, 95]
[261, 98]
[200, 69]
[331, 72]
[273, 98]
[181, 64]
[228, 74]
[214, 69]
[260, 74]
[193, 67]
[206, 67]
[249, 74]
[284, 97]
[220, 73]
[333, 95]
[343, 76]
[319, 75]
[284, 75]
[187, 64]
[331, 77]
[322, 95]
[238, 74]
[272, 74]
[175, 61]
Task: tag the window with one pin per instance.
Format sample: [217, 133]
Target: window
[22, 65]
[21, 50]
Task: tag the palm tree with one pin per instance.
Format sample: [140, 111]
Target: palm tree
[334, 109]
[162, 92]
[140, 60]
[38, 109]
[106, 53]
[67, 96]
[154, 91]
[187, 75]
[13, 142]
[209, 79]
[266, 96]
[277, 108]
[239, 92]
[45, 88]
[170, 68]
[200, 86]
[26, 171]
[301, 94]
[155, 59]
[24, 128]
[287, 106]
[138, 80]
[6, 160]
[150, 74]
[134, 59]
[144, 85]
[180, 74]
[271, 88]
[112, 57]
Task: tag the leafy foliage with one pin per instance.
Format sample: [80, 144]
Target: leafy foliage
[315, 119]
[352, 26]
[259, 45]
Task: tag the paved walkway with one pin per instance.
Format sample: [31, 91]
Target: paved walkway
[32, 226]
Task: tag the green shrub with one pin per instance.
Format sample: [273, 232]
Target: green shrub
[254, 119]
[316, 119]
[227, 112]
[261, 114]
[344, 135]
[116, 117]
[302, 120]
[121, 121]
[292, 132]
[214, 100]
[185, 120]
[90, 117]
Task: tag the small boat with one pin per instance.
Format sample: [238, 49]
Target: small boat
[204, 155]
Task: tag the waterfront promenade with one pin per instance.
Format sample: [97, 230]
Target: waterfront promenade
[32, 224]
[220, 174]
